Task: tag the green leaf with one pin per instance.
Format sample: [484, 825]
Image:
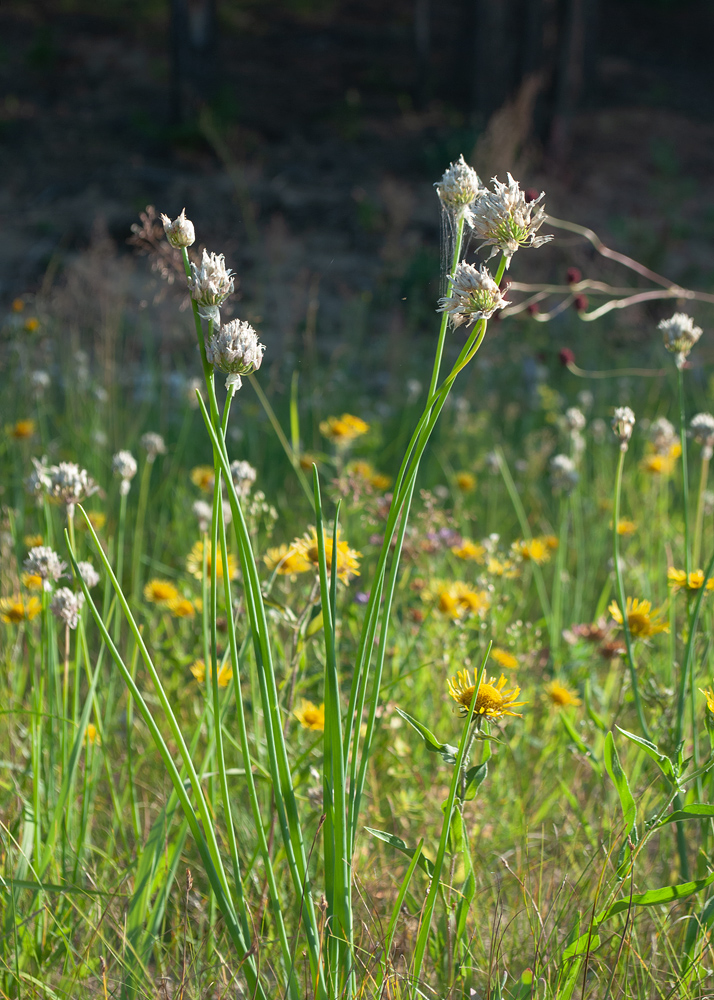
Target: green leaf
[389, 838]
[430, 741]
[657, 897]
[475, 776]
[663, 762]
[696, 810]
[315, 625]
[619, 778]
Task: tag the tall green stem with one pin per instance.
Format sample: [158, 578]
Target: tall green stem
[699, 520]
[685, 474]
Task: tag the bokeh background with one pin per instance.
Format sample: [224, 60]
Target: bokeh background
[304, 136]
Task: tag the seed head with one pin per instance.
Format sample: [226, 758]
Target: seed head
[124, 466]
[563, 474]
[243, 475]
[662, 435]
[153, 444]
[459, 187]
[474, 295]
[180, 233]
[44, 562]
[623, 423]
[235, 350]
[505, 220]
[680, 335]
[88, 574]
[210, 284]
[66, 605]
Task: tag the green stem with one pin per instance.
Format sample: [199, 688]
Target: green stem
[685, 474]
[139, 531]
[699, 521]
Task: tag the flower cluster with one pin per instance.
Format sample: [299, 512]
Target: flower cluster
[474, 295]
[210, 284]
[459, 188]
[505, 220]
[235, 351]
[680, 335]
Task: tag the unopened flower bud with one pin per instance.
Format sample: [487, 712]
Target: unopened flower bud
[474, 295]
[680, 335]
[235, 350]
[573, 275]
[180, 233]
[210, 284]
[623, 423]
[580, 303]
[459, 187]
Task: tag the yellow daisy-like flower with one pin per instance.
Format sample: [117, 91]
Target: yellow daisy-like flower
[560, 695]
[307, 460]
[625, 526]
[466, 482]
[343, 430]
[23, 429]
[662, 464]
[31, 541]
[31, 581]
[550, 542]
[503, 658]
[709, 695]
[18, 305]
[347, 559]
[492, 702]
[160, 592]
[97, 519]
[458, 600]
[31, 324]
[380, 481]
[203, 477]
[642, 621]
[14, 610]
[361, 468]
[91, 735]
[536, 550]
[181, 607]
[679, 579]
[225, 674]
[194, 563]
[286, 560]
[469, 550]
[310, 716]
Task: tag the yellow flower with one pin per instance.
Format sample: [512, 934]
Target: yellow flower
[503, 658]
[22, 430]
[466, 482]
[492, 702]
[160, 592]
[31, 324]
[30, 581]
[287, 561]
[194, 563]
[17, 305]
[181, 607]
[91, 735]
[662, 464]
[347, 558]
[96, 518]
[343, 430]
[550, 542]
[310, 716]
[14, 610]
[32, 540]
[225, 674]
[307, 460]
[678, 578]
[203, 477]
[709, 695]
[457, 600]
[380, 481]
[361, 468]
[560, 695]
[536, 550]
[625, 526]
[641, 620]
[469, 550]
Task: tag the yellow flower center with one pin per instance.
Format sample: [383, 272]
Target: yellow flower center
[489, 700]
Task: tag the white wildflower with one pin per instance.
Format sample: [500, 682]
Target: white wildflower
[88, 574]
[680, 335]
[574, 419]
[503, 219]
[44, 562]
[38, 482]
[210, 284]
[194, 385]
[243, 475]
[180, 233]
[474, 295]
[204, 514]
[623, 423]
[563, 474]
[459, 188]
[702, 430]
[153, 444]
[662, 435]
[69, 484]
[66, 605]
[124, 466]
[235, 350]
[40, 383]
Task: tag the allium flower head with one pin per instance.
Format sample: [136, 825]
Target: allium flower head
[236, 351]
[66, 605]
[153, 444]
[210, 284]
[66, 483]
[492, 702]
[44, 562]
[243, 475]
[88, 574]
[459, 188]
[40, 383]
[662, 434]
[680, 335]
[180, 232]
[563, 474]
[474, 295]
[702, 430]
[623, 423]
[124, 466]
[505, 220]
[574, 419]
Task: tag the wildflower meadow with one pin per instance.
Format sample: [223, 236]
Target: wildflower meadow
[304, 695]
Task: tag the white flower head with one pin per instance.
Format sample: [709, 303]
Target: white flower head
[459, 188]
[38, 482]
[210, 284]
[44, 562]
[204, 514]
[243, 475]
[680, 335]
[702, 430]
[153, 444]
[69, 484]
[180, 232]
[623, 423]
[504, 220]
[66, 605]
[88, 574]
[563, 474]
[235, 350]
[194, 385]
[124, 466]
[40, 383]
[574, 419]
[662, 435]
[474, 295]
